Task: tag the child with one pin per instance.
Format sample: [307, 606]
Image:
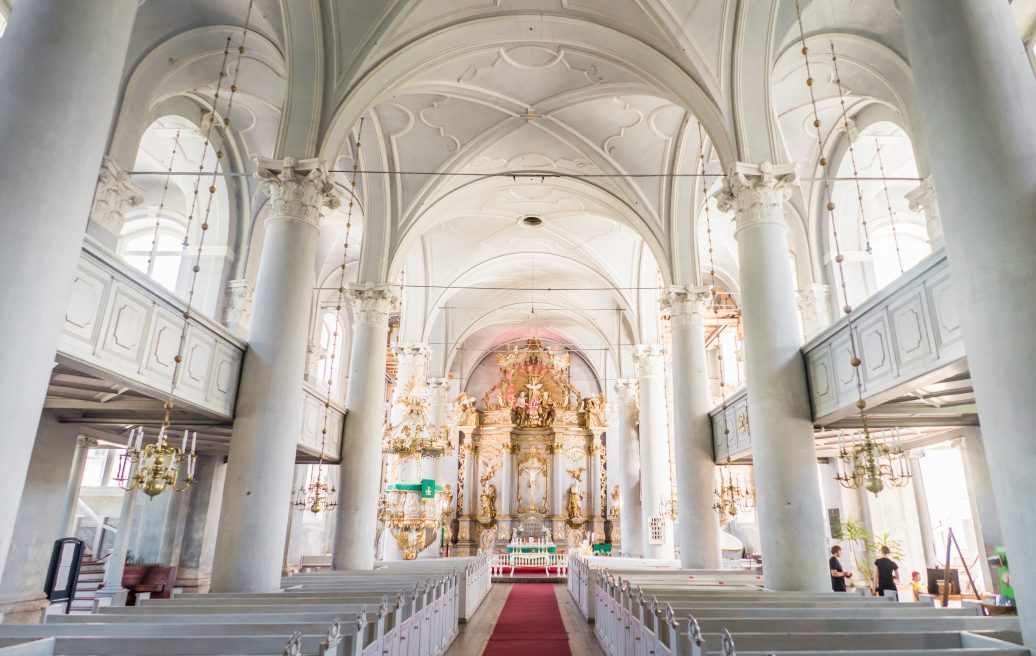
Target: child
[915, 585]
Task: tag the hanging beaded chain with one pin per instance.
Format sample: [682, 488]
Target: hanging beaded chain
[161, 202]
[849, 140]
[196, 269]
[340, 300]
[725, 505]
[888, 205]
[867, 444]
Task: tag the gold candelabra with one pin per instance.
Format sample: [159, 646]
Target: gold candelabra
[153, 468]
[319, 495]
[870, 463]
[732, 495]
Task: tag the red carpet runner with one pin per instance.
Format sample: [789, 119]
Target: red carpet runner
[530, 623]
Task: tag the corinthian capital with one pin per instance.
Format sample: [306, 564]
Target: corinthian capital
[685, 305]
[413, 355]
[756, 194]
[373, 303]
[650, 359]
[298, 189]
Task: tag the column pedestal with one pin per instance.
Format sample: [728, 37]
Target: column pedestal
[361, 463]
[698, 522]
[790, 510]
[261, 464]
[65, 92]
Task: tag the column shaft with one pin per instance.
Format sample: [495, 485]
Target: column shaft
[790, 510]
[361, 452]
[261, 464]
[112, 593]
[698, 522]
[655, 485]
[55, 114]
[21, 588]
[976, 92]
[75, 481]
[924, 515]
[625, 448]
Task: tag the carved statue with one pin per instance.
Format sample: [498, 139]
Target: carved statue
[447, 500]
[487, 498]
[549, 412]
[593, 411]
[488, 501]
[514, 535]
[616, 503]
[577, 473]
[574, 503]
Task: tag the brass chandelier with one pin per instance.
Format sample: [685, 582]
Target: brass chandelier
[319, 495]
[154, 468]
[871, 463]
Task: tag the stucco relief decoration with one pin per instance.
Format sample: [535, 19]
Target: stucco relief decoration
[757, 193]
[116, 193]
[298, 189]
[240, 294]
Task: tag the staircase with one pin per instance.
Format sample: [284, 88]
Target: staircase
[91, 578]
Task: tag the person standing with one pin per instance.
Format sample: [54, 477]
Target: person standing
[886, 573]
[838, 575]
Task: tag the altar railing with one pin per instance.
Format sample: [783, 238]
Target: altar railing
[507, 563]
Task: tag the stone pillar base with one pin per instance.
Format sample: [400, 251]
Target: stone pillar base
[26, 610]
[111, 596]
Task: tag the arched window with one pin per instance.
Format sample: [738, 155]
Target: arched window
[893, 241]
[158, 253]
[155, 233]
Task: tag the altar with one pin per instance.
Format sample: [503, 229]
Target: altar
[531, 462]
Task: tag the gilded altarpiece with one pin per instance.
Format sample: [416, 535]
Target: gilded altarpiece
[532, 462]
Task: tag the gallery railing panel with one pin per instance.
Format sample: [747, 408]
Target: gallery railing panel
[123, 324]
[908, 330]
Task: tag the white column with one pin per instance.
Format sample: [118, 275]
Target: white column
[625, 449]
[55, 114]
[698, 523]
[976, 92]
[980, 492]
[655, 488]
[361, 450]
[790, 510]
[977, 536]
[75, 480]
[112, 593]
[924, 515]
[922, 199]
[261, 464]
